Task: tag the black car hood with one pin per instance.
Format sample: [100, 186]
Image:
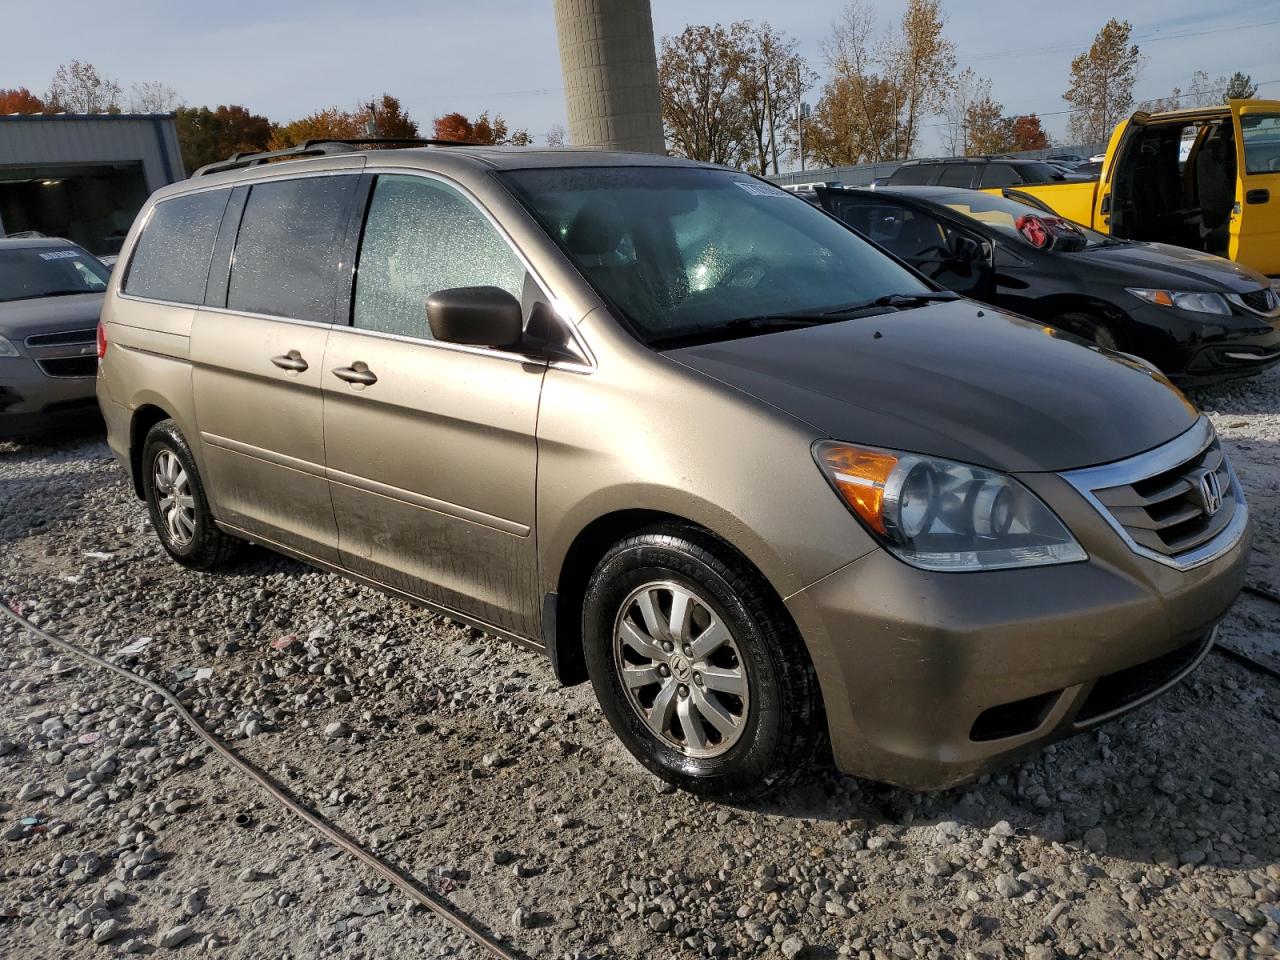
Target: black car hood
[1176, 267]
[20, 319]
[959, 381]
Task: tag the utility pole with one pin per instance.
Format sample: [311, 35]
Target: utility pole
[371, 125]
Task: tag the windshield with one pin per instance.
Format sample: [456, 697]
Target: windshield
[684, 252]
[30, 272]
[1002, 214]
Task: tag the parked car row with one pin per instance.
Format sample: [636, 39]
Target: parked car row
[760, 479]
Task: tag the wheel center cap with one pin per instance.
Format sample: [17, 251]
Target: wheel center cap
[680, 668]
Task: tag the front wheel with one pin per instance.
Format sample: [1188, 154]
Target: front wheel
[1094, 329]
[698, 667]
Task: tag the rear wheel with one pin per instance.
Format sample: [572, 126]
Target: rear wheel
[177, 503]
[698, 667]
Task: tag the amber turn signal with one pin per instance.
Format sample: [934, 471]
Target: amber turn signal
[859, 475]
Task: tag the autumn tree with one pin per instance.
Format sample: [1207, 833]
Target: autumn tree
[206, 135]
[853, 122]
[1026, 133]
[700, 77]
[1102, 80]
[774, 78]
[966, 89]
[906, 73]
[1240, 87]
[77, 87]
[153, 97]
[484, 129]
[329, 124]
[20, 100]
[988, 130]
[386, 118]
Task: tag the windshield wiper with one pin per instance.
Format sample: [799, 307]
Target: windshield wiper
[897, 300]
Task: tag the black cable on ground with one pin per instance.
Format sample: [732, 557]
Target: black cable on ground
[387, 871]
[1262, 592]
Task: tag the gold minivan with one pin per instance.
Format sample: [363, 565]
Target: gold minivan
[760, 482]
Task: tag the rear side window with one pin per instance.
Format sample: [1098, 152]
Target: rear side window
[171, 259]
[288, 248]
[913, 175]
[1000, 175]
[957, 175]
[420, 237]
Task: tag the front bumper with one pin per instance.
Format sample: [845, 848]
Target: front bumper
[930, 679]
[1201, 349]
[31, 402]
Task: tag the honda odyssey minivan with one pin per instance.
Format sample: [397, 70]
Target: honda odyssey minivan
[693, 438]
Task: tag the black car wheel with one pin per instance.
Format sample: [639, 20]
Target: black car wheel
[698, 667]
[177, 503]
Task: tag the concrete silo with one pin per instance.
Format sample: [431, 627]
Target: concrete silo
[610, 74]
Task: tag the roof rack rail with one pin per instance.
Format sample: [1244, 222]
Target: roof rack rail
[320, 147]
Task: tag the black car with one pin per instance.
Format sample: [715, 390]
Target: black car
[1199, 318]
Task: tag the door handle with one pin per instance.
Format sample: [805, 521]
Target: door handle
[291, 361]
[358, 373]
[1257, 196]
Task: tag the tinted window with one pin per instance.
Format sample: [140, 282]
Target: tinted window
[1261, 133]
[683, 252]
[957, 175]
[171, 259]
[1038, 173]
[904, 231]
[913, 175]
[288, 247]
[1000, 175]
[30, 272]
[421, 237]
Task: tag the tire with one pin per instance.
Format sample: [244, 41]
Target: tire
[1091, 328]
[740, 746]
[186, 528]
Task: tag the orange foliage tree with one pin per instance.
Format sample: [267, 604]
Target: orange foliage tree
[20, 100]
[484, 129]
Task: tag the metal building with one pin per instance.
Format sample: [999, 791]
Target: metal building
[610, 74]
[83, 177]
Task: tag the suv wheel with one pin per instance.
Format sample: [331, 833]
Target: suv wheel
[698, 667]
[177, 503]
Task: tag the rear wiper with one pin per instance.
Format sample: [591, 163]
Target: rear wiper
[897, 300]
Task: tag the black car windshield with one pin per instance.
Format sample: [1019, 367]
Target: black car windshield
[1002, 213]
[684, 252]
[49, 271]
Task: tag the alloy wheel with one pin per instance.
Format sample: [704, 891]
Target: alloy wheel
[681, 669]
[174, 500]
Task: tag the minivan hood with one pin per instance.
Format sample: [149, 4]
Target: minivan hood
[1176, 267]
[959, 381]
[20, 319]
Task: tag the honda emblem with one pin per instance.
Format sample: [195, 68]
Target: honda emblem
[1210, 492]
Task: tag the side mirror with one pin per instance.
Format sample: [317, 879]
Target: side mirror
[966, 249]
[478, 316]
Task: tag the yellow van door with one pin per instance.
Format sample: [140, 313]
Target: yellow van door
[1107, 206]
[1255, 221]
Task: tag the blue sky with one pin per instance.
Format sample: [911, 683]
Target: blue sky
[286, 58]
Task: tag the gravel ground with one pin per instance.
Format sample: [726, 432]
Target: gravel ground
[458, 757]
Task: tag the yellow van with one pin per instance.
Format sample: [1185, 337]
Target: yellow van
[1206, 178]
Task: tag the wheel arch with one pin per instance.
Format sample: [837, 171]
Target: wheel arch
[144, 417]
[1053, 306]
[562, 609]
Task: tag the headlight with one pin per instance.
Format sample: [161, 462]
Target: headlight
[7, 349]
[1195, 302]
[939, 515]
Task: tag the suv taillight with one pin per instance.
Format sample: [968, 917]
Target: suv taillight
[102, 340]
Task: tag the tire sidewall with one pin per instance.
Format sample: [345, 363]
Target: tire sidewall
[165, 438]
[754, 756]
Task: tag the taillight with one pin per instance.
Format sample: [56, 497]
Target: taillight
[102, 340]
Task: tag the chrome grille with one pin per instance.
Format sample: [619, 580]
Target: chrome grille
[65, 337]
[70, 353]
[1265, 301]
[1179, 504]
